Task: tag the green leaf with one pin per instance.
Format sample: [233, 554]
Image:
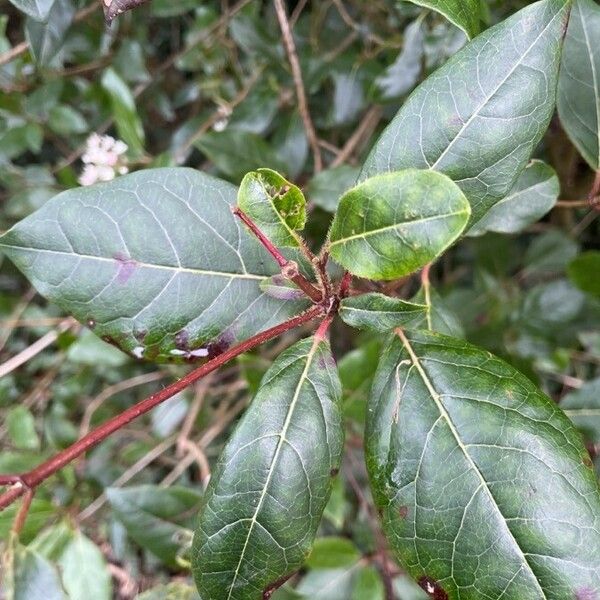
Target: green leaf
[326, 188]
[550, 252]
[584, 272]
[368, 585]
[479, 118]
[277, 206]
[235, 152]
[65, 120]
[21, 428]
[154, 262]
[378, 312]
[36, 9]
[46, 39]
[272, 482]
[391, 225]
[172, 591]
[332, 553]
[579, 83]
[329, 584]
[439, 317]
[128, 122]
[32, 578]
[465, 14]
[583, 408]
[155, 517]
[534, 195]
[481, 480]
[89, 350]
[84, 570]
[40, 512]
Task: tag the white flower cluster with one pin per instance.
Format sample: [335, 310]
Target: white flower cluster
[103, 158]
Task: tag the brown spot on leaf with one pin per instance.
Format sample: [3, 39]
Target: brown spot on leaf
[126, 267]
[221, 344]
[403, 512]
[433, 588]
[334, 472]
[587, 461]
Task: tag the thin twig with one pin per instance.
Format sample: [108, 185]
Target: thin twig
[47, 340]
[290, 48]
[9, 324]
[39, 474]
[364, 130]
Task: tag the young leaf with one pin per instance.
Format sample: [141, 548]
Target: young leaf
[482, 481]
[479, 117]
[277, 206]
[391, 225]
[156, 518]
[46, 39]
[154, 262]
[584, 272]
[270, 487]
[465, 14]
[378, 312]
[579, 83]
[534, 195]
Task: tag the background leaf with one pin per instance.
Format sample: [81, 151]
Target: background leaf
[519, 499]
[154, 262]
[479, 117]
[36, 9]
[579, 84]
[584, 272]
[47, 38]
[465, 14]
[268, 492]
[393, 224]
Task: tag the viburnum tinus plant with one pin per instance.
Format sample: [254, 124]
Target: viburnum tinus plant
[482, 484]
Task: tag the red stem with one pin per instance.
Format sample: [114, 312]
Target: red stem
[289, 269]
[34, 477]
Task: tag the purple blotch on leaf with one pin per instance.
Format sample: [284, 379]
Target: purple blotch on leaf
[126, 267]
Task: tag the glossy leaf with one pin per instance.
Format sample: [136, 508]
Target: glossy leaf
[579, 84]
[479, 117]
[465, 14]
[85, 573]
[156, 518]
[584, 272]
[154, 262]
[272, 482]
[36, 9]
[378, 312]
[534, 195]
[277, 206]
[402, 75]
[46, 39]
[438, 318]
[483, 484]
[391, 225]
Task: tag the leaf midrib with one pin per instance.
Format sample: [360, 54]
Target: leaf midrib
[475, 114]
[365, 234]
[444, 414]
[140, 264]
[282, 438]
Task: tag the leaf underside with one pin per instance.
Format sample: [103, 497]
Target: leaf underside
[154, 262]
[273, 480]
[484, 486]
[479, 117]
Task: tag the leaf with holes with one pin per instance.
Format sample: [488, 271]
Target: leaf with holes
[277, 206]
[154, 262]
[579, 84]
[378, 312]
[272, 482]
[465, 14]
[479, 118]
[483, 484]
[393, 224]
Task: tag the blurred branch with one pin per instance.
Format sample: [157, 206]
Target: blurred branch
[290, 48]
